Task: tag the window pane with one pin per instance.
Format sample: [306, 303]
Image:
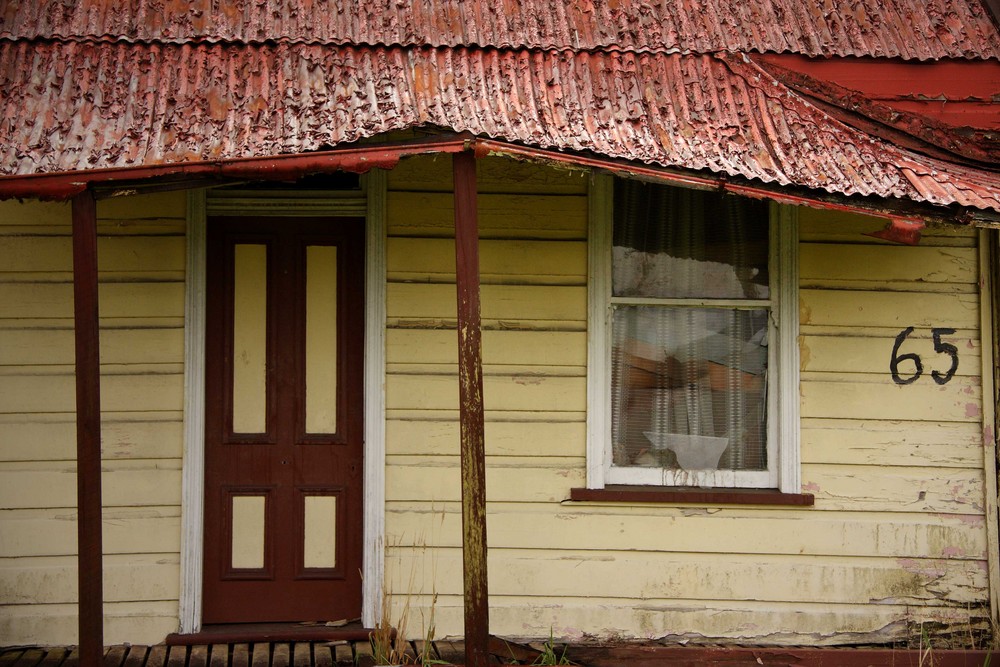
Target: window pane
[676, 243]
[689, 388]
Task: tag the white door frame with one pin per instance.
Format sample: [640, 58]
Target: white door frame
[371, 203]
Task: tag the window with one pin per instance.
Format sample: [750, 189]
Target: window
[693, 361]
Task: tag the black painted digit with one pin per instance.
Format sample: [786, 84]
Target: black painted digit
[944, 348]
[897, 358]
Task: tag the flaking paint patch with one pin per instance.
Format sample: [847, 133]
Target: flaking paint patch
[972, 410]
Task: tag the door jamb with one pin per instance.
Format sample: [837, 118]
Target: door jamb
[373, 207]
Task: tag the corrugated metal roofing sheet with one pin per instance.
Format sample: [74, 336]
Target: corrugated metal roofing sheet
[911, 29]
[87, 106]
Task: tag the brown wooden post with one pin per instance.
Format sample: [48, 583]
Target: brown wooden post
[88, 431]
[470, 391]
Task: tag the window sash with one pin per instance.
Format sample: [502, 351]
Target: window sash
[783, 359]
[725, 478]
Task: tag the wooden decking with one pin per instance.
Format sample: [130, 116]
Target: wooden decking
[262, 654]
[358, 653]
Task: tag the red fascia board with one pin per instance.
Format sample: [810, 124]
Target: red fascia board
[776, 193]
[358, 159]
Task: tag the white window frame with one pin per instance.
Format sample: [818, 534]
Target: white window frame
[783, 471]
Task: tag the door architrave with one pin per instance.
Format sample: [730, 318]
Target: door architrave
[369, 203]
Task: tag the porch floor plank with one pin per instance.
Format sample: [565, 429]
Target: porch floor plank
[281, 656]
[199, 656]
[30, 658]
[321, 656]
[73, 659]
[219, 655]
[10, 657]
[177, 656]
[54, 657]
[343, 653]
[241, 655]
[157, 656]
[115, 656]
[302, 654]
[136, 656]
[261, 656]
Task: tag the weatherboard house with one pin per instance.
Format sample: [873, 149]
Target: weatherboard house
[726, 269]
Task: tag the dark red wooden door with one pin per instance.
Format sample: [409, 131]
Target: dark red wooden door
[284, 389]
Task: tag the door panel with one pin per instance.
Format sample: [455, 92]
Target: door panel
[284, 385]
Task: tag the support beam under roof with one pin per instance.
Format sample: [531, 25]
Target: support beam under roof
[470, 388]
[88, 431]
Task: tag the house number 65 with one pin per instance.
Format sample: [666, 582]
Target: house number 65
[918, 370]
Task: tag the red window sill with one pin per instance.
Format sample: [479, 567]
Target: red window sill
[653, 494]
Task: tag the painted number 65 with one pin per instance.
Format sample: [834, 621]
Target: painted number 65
[918, 367]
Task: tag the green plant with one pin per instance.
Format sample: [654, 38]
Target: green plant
[925, 653]
[548, 655]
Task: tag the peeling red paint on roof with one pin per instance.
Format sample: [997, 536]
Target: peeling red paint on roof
[908, 29]
[105, 105]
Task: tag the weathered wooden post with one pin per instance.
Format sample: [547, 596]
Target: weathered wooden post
[470, 388]
[88, 430]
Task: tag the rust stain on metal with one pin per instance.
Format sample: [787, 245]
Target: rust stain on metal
[920, 29]
[163, 104]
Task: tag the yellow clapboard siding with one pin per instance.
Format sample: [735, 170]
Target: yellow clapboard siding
[684, 576]
[830, 263]
[857, 397]
[105, 228]
[124, 484]
[895, 489]
[772, 623]
[440, 346]
[888, 309]
[17, 213]
[501, 261]
[519, 392]
[499, 302]
[118, 346]
[887, 443]
[617, 527]
[833, 226]
[500, 216]
[53, 437]
[57, 393]
[870, 354]
[408, 437]
[140, 623]
[27, 300]
[53, 579]
[134, 254]
[519, 480]
[144, 207]
[836, 487]
[536, 417]
[126, 530]
[493, 174]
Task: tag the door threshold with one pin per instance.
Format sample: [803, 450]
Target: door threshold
[238, 633]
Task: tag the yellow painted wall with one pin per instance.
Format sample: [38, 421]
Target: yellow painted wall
[141, 256]
[897, 535]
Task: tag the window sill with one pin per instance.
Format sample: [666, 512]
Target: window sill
[620, 493]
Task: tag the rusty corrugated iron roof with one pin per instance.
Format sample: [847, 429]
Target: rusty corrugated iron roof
[100, 105]
[909, 29]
